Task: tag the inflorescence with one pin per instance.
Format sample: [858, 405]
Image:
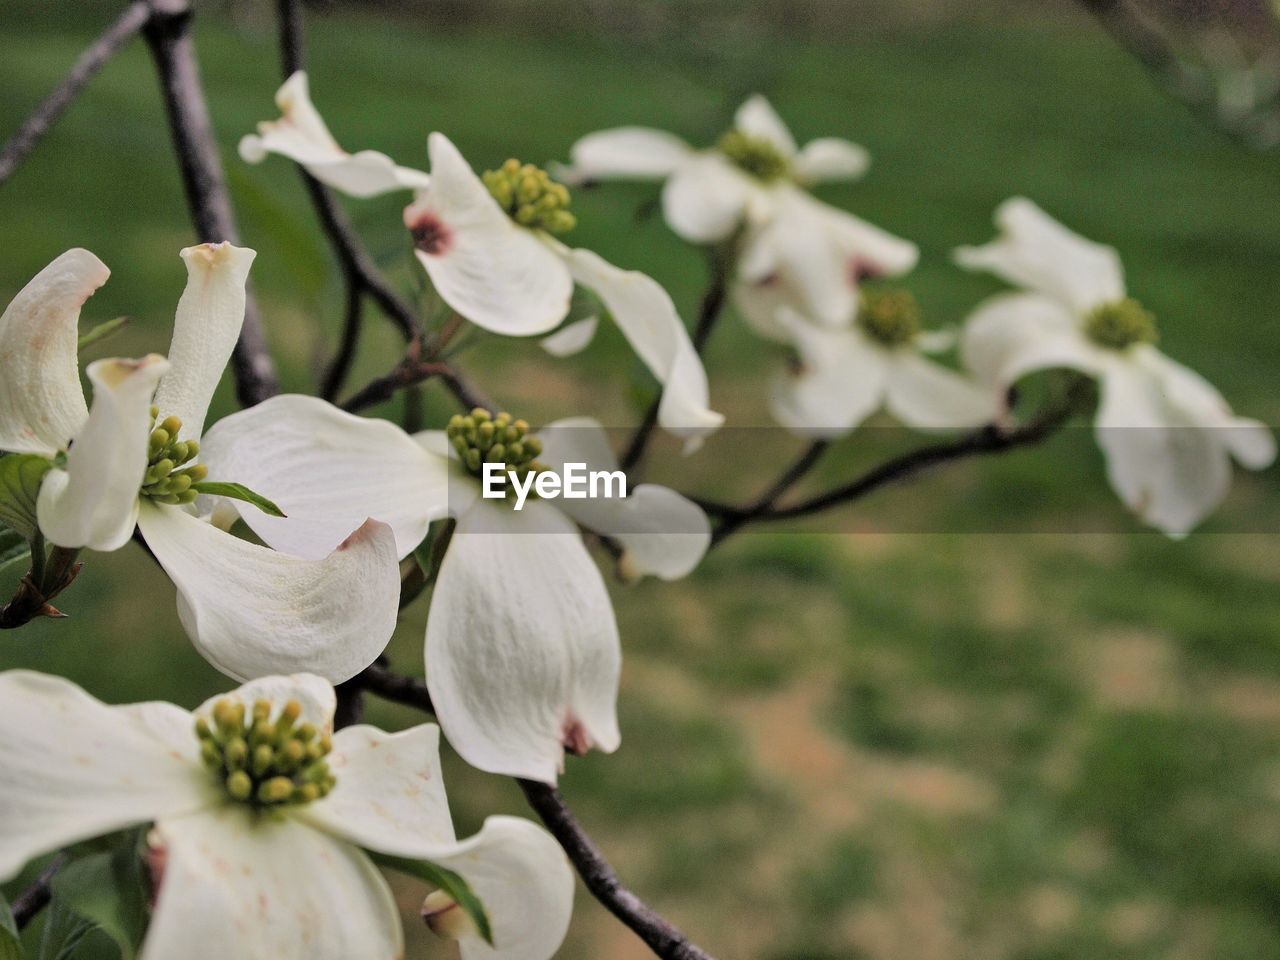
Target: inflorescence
[1121, 324]
[481, 437]
[166, 479]
[530, 197]
[890, 316]
[754, 155]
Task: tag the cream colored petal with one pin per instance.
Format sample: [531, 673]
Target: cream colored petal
[1013, 334]
[253, 612]
[572, 338]
[757, 118]
[41, 404]
[328, 471]
[496, 274]
[830, 158]
[705, 199]
[637, 153]
[522, 649]
[205, 329]
[237, 884]
[928, 396]
[73, 768]
[94, 501]
[841, 381]
[314, 694]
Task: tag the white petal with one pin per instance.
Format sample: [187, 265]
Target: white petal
[759, 303]
[302, 136]
[626, 152]
[648, 319]
[94, 501]
[806, 263]
[205, 329]
[252, 611]
[498, 275]
[524, 881]
[41, 404]
[72, 768]
[571, 338]
[705, 199]
[661, 532]
[830, 158]
[314, 694]
[523, 657]
[867, 250]
[1166, 468]
[1013, 334]
[390, 795]
[757, 118]
[267, 888]
[841, 381]
[1036, 252]
[328, 471]
[927, 395]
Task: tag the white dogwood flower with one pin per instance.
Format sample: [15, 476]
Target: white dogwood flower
[794, 250]
[260, 818]
[124, 462]
[844, 376]
[1167, 434]
[522, 647]
[490, 249]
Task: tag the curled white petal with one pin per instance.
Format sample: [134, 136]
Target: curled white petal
[301, 135]
[498, 275]
[625, 152]
[73, 768]
[928, 396]
[571, 338]
[94, 501]
[830, 158]
[1035, 251]
[327, 470]
[661, 532]
[523, 657]
[757, 118]
[841, 380]
[237, 884]
[705, 199]
[648, 319]
[253, 612]
[41, 404]
[205, 329]
[1013, 334]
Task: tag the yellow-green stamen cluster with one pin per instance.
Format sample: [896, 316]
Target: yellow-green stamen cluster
[755, 155]
[890, 317]
[530, 197]
[265, 762]
[166, 479]
[1121, 324]
[481, 437]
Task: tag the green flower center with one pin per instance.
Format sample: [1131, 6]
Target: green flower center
[167, 480]
[754, 155]
[530, 197]
[481, 437]
[890, 317]
[1121, 324]
[262, 762]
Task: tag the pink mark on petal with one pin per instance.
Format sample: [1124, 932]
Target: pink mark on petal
[430, 235]
[862, 269]
[365, 532]
[575, 737]
[156, 859]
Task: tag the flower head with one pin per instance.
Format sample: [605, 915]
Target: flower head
[1167, 434]
[261, 816]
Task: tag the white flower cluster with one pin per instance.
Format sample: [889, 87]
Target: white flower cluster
[262, 818]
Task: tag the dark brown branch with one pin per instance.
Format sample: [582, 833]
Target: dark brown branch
[708, 313]
[93, 59]
[37, 896]
[168, 34]
[411, 371]
[663, 939]
[790, 477]
[406, 691]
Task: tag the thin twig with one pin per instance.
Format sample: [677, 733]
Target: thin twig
[663, 938]
[708, 313]
[37, 896]
[406, 691]
[93, 59]
[413, 371]
[790, 477]
[168, 34]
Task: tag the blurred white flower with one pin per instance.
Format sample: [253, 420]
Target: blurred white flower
[261, 816]
[1167, 434]
[249, 610]
[794, 250]
[522, 647]
[498, 264]
[844, 376]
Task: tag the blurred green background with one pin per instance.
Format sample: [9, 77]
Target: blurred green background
[874, 745]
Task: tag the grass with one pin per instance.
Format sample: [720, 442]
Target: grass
[1011, 745]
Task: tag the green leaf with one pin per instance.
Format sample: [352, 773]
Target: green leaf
[446, 880]
[238, 491]
[10, 945]
[63, 932]
[107, 890]
[102, 331]
[13, 547]
[20, 477]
